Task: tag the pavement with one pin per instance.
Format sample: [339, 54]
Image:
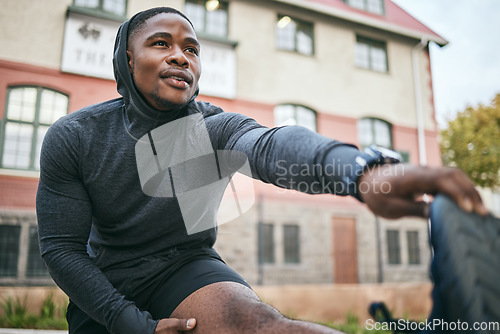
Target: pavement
[29, 331]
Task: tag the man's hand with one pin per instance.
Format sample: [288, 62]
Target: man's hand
[174, 326]
[394, 191]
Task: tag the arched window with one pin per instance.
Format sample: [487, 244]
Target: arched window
[374, 131]
[29, 113]
[291, 114]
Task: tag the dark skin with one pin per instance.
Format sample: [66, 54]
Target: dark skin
[164, 62]
[395, 191]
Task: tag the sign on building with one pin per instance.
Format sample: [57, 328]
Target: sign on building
[88, 50]
[88, 46]
[218, 74]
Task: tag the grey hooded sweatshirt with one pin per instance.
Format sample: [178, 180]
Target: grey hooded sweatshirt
[96, 224]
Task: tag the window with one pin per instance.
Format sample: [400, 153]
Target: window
[117, 7]
[9, 250]
[35, 266]
[374, 131]
[20, 259]
[30, 111]
[290, 114]
[393, 248]
[413, 247]
[208, 16]
[371, 54]
[372, 6]
[266, 243]
[294, 35]
[291, 238]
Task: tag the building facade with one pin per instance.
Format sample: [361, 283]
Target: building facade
[352, 70]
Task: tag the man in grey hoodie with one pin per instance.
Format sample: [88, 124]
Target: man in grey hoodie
[121, 248]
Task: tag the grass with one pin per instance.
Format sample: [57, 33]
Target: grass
[53, 316]
[353, 326]
[16, 315]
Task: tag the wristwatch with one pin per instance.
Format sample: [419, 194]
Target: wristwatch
[371, 156]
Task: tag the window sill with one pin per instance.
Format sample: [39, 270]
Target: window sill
[30, 174]
[96, 13]
[216, 39]
[295, 52]
[284, 266]
[32, 281]
[368, 69]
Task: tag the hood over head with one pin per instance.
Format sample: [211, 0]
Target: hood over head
[134, 102]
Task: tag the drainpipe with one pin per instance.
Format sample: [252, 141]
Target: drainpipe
[418, 101]
[260, 246]
[380, 266]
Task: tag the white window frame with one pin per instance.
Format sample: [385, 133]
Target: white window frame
[369, 132]
[114, 7]
[25, 123]
[371, 54]
[294, 114]
[295, 35]
[372, 6]
[210, 17]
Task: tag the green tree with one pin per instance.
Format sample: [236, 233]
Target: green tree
[472, 143]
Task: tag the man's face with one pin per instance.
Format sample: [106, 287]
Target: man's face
[164, 61]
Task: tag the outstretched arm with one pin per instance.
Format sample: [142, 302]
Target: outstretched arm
[292, 156]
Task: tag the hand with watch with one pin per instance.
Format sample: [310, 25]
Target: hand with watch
[392, 189]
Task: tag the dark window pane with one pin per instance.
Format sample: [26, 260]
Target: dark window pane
[9, 250]
[291, 237]
[413, 247]
[393, 247]
[266, 243]
[36, 267]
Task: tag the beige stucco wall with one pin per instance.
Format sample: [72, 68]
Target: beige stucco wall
[33, 31]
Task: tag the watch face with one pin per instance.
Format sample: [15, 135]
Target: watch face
[388, 156]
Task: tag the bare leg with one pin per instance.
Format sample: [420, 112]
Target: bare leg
[228, 307]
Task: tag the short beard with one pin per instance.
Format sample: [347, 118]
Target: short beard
[160, 103]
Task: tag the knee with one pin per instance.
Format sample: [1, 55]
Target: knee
[254, 318]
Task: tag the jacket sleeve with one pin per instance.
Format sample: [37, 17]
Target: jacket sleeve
[64, 214]
[291, 157]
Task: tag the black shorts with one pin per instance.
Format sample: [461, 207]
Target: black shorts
[161, 292]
